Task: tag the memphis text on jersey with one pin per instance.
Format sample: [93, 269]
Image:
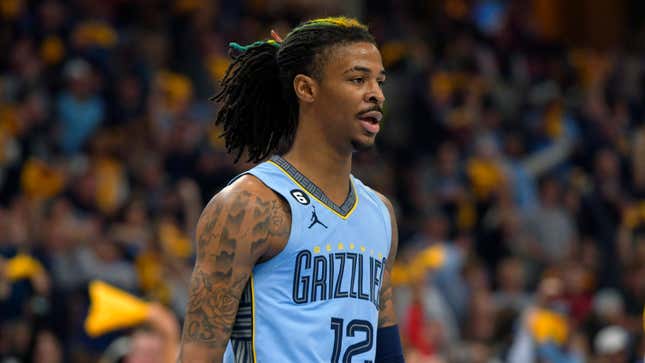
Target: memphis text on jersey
[337, 275]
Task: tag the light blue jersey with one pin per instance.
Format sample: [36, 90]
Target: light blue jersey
[317, 300]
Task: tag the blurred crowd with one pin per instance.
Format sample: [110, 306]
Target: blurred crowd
[516, 164]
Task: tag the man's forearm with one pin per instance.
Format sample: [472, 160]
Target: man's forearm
[210, 316]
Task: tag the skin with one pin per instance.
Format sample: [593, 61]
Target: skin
[350, 83]
[247, 223]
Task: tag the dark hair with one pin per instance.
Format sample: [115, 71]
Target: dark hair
[258, 106]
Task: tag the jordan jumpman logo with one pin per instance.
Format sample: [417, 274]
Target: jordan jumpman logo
[314, 219]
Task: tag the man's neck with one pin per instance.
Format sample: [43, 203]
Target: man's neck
[323, 165]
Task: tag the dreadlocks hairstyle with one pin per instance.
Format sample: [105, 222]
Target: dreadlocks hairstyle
[258, 106]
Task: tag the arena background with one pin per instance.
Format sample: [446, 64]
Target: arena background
[513, 149]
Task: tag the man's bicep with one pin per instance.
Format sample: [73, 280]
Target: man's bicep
[387, 314]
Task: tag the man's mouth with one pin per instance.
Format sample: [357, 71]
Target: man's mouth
[371, 116]
[370, 121]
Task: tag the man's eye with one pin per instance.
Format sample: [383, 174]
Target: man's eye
[381, 83]
[358, 80]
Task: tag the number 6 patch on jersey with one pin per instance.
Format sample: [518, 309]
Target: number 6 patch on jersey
[300, 196]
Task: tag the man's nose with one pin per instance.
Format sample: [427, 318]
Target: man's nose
[375, 95]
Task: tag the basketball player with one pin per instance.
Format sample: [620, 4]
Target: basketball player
[294, 256]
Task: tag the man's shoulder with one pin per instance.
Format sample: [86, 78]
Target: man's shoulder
[385, 201]
[246, 185]
[246, 194]
[251, 210]
[376, 196]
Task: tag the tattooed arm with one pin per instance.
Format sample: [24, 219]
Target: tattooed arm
[244, 223]
[387, 315]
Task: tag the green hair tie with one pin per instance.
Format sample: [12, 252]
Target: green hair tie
[244, 48]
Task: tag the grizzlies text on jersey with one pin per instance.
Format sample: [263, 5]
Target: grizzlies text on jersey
[318, 299]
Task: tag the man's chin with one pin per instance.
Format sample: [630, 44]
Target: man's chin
[362, 145]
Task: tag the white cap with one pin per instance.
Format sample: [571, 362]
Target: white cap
[611, 339]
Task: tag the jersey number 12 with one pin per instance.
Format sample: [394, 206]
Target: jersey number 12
[353, 327]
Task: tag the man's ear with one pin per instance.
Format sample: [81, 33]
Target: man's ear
[305, 87]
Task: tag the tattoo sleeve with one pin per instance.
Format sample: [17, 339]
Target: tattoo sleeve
[233, 233]
[387, 315]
